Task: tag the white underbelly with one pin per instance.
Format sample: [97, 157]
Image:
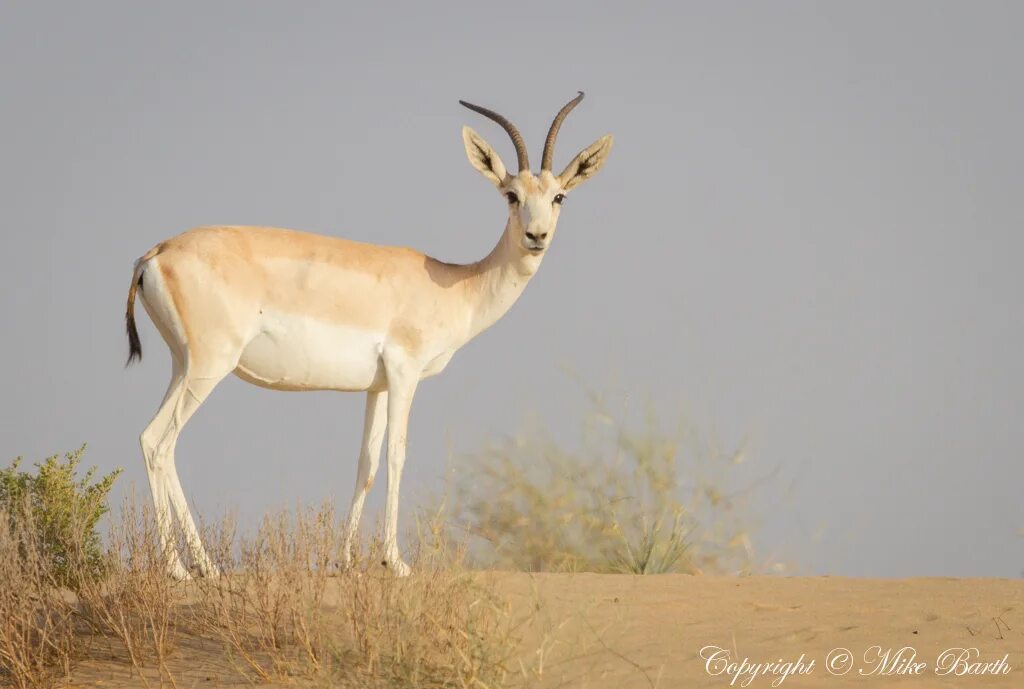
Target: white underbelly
[292, 352]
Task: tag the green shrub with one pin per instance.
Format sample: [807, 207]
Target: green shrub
[62, 510]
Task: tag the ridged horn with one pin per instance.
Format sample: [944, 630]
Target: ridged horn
[549, 144]
[517, 138]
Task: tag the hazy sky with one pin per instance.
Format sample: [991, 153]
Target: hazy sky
[809, 233]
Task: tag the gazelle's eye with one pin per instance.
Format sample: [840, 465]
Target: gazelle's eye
[512, 198]
[559, 198]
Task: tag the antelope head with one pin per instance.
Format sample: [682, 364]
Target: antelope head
[534, 201]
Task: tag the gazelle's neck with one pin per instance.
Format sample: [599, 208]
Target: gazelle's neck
[498, 280]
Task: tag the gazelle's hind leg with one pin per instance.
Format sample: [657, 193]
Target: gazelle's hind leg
[196, 390]
[153, 440]
[374, 424]
[186, 392]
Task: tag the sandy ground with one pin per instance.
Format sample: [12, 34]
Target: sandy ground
[649, 631]
[632, 631]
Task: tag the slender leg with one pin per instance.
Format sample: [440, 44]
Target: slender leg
[184, 396]
[153, 440]
[196, 391]
[402, 381]
[374, 424]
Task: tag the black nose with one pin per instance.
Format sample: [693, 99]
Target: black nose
[534, 237]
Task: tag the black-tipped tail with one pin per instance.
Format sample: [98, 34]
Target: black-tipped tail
[134, 344]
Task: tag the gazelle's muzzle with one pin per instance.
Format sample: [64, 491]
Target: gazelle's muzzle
[535, 241]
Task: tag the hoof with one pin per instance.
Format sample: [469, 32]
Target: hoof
[208, 572]
[179, 573]
[397, 567]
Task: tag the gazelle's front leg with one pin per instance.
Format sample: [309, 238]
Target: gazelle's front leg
[403, 376]
[374, 424]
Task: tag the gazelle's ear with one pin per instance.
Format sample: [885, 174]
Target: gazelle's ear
[482, 157]
[586, 164]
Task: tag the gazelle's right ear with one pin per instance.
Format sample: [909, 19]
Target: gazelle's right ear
[482, 157]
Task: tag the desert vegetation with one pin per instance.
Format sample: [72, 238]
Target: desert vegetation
[631, 498]
[280, 612]
[631, 494]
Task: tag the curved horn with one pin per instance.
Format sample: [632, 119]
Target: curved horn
[517, 138]
[549, 145]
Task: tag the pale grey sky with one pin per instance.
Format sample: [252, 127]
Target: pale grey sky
[809, 232]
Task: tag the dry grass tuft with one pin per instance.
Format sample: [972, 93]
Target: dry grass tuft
[135, 605]
[283, 611]
[38, 643]
[266, 606]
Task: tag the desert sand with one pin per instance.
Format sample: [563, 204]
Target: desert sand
[643, 631]
[600, 630]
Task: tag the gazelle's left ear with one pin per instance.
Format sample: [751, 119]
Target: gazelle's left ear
[586, 164]
[482, 157]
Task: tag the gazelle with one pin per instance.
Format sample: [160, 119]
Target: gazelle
[288, 310]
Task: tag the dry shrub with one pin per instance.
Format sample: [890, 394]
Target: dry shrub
[633, 498]
[37, 617]
[136, 604]
[266, 605]
[441, 627]
[283, 610]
